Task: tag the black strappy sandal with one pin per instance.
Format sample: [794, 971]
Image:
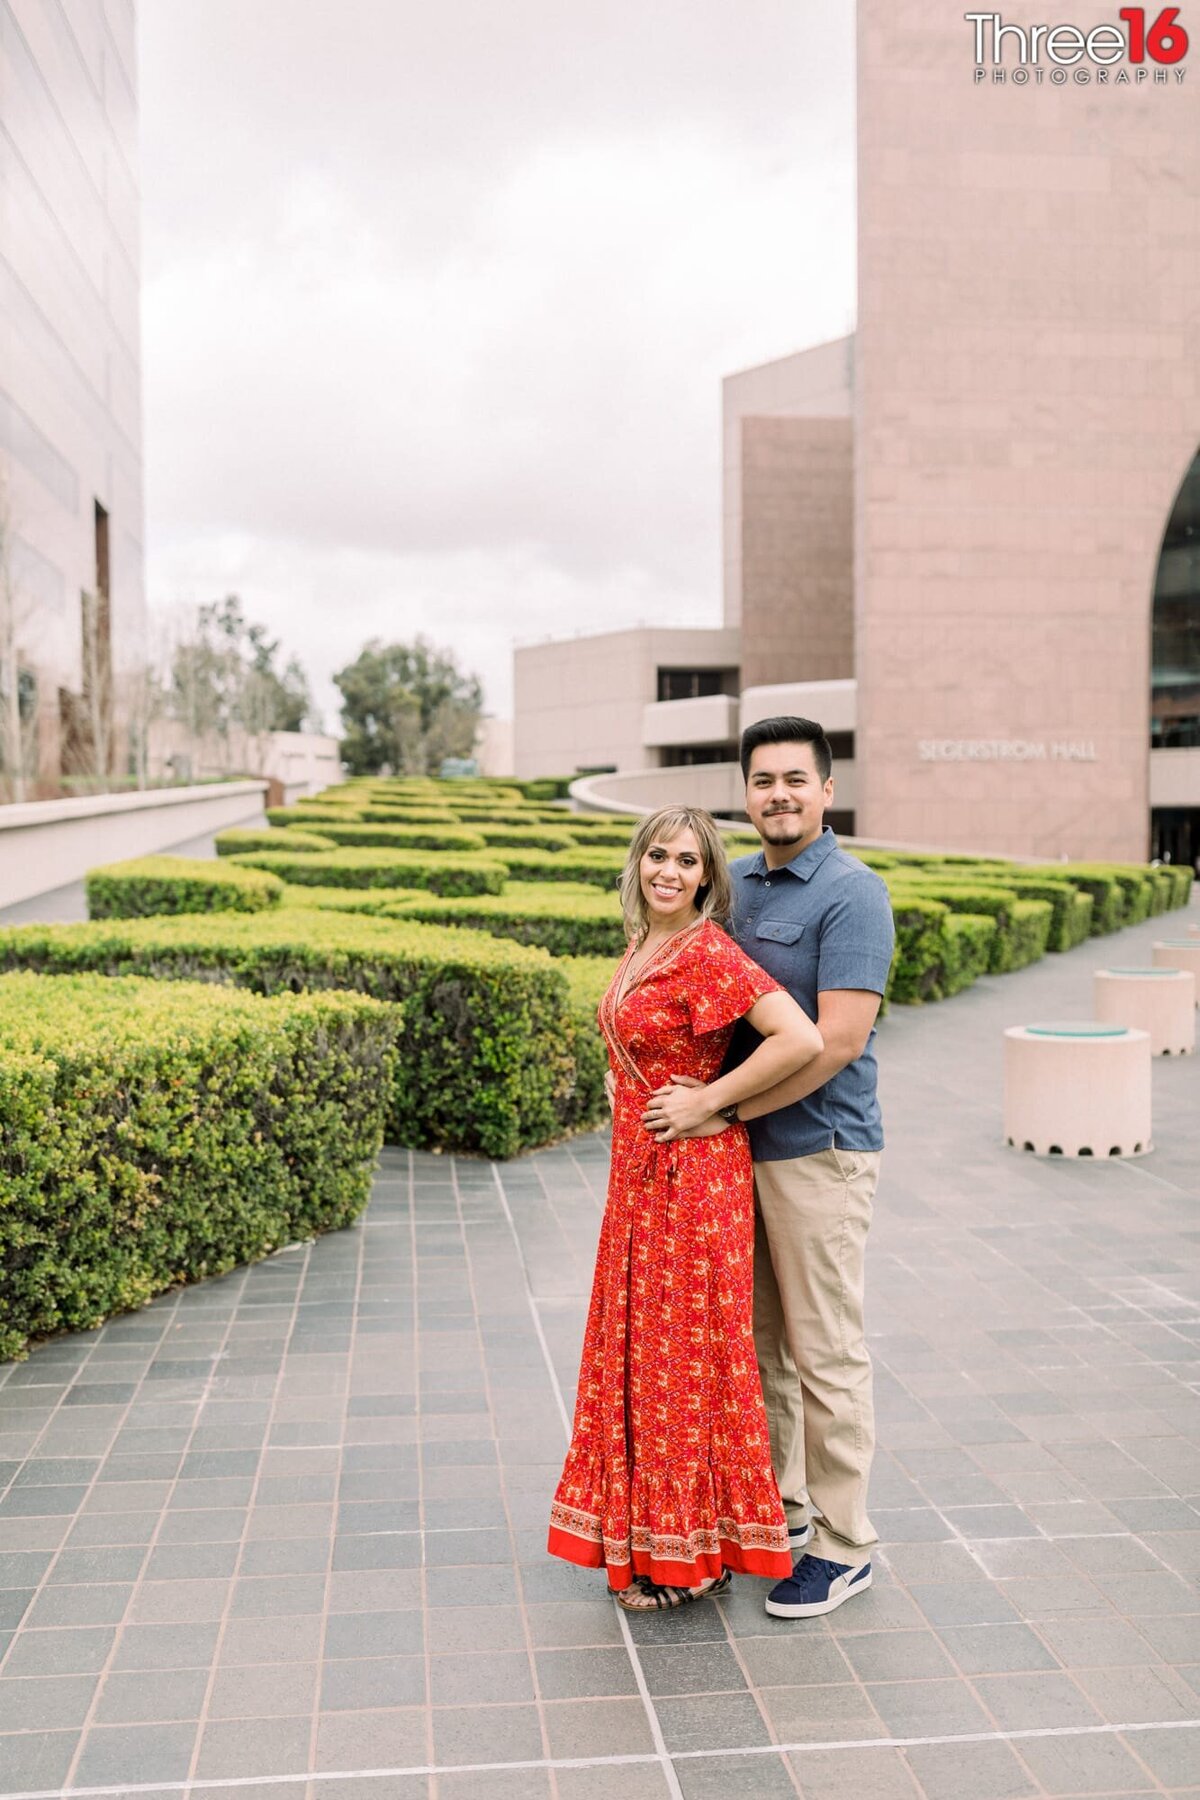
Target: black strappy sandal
[667, 1598]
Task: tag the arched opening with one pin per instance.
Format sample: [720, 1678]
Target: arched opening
[1175, 680]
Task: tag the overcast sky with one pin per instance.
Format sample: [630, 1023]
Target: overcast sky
[438, 299]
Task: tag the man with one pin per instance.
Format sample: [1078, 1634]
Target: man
[820, 922]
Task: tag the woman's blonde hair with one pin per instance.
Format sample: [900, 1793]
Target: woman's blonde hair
[714, 898]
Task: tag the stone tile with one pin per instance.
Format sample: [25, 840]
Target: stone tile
[294, 1639]
[711, 1722]
[926, 1708]
[856, 1775]
[896, 1655]
[1020, 1702]
[166, 1646]
[996, 1649]
[83, 1604]
[249, 1747]
[134, 1754]
[374, 1634]
[1094, 1643]
[970, 1772]
[1086, 1765]
[264, 1690]
[45, 1703]
[486, 1734]
[373, 1683]
[151, 1695]
[37, 1759]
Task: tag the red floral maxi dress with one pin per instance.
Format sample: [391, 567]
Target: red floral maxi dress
[669, 1470]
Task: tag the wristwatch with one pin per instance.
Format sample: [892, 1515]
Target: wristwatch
[729, 1113]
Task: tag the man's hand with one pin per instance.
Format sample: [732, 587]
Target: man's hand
[679, 1110]
[610, 1089]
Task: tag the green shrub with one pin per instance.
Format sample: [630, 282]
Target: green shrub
[526, 837]
[448, 839]
[547, 787]
[373, 814]
[233, 843]
[1021, 933]
[1107, 900]
[1134, 882]
[600, 867]
[177, 884]
[919, 959]
[1071, 909]
[151, 1136]
[969, 939]
[310, 814]
[567, 922]
[587, 982]
[362, 868]
[484, 1057]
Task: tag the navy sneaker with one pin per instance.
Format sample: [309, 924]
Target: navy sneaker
[817, 1586]
[800, 1537]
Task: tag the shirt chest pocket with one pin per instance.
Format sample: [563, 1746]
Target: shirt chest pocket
[780, 931]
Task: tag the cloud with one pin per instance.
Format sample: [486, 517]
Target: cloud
[436, 312]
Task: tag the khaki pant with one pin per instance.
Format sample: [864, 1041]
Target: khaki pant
[812, 1217]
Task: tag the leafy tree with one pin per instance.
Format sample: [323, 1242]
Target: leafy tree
[224, 675]
[406, 707]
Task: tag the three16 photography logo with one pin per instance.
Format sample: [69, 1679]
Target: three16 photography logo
[1141, 47]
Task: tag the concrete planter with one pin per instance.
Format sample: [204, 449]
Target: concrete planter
[45, 844]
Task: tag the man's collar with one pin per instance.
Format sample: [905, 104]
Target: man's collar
[805, 864]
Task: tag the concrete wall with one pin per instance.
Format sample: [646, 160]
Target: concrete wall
[70, 380]
[45, 844]
[811, 384]
[580, 702]
[797, 550]
[717, 786]
[1027, 397]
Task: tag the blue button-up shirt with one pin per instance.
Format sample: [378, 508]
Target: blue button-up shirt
[822, 921]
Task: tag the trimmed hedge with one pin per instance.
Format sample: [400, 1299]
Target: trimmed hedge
[1071, 908]
[361, 868]
[919, 960]
[1022, 926]
[587, 982]
[969, 940]
[599, 867]
[147, 886]
[450, 839]
[310, 814]
[566, 922]
[150, 1136]
[526, 837]
[232, 843]
[485, 1059]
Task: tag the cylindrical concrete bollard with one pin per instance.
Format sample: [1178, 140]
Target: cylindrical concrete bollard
[1077, 1089]
[1161, 1002]
[1178, 953]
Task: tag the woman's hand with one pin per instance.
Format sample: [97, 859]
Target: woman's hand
[680, 1109]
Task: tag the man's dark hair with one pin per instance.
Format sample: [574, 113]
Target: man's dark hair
[787, 731]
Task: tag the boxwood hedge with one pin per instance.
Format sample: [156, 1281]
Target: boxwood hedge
[355, 867]
[448, 839]
[600, 867]
[152, 1136]
[233, 843]
[556, 917]
[485, 1054]
[146, 886]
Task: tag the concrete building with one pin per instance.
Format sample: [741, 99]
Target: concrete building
[70, 381]
[983, 512]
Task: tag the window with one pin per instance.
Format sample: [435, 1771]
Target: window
[1175, 627]
[696, 684]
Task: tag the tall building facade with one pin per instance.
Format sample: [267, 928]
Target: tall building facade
[70, 380]
[1027, 406]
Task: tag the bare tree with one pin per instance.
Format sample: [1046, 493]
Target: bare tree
[18, 687]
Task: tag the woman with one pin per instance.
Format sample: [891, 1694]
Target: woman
[668, 1481]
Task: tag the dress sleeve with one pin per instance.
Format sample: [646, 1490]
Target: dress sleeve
[721, 983]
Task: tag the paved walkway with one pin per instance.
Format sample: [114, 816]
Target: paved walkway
[283, 1533]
